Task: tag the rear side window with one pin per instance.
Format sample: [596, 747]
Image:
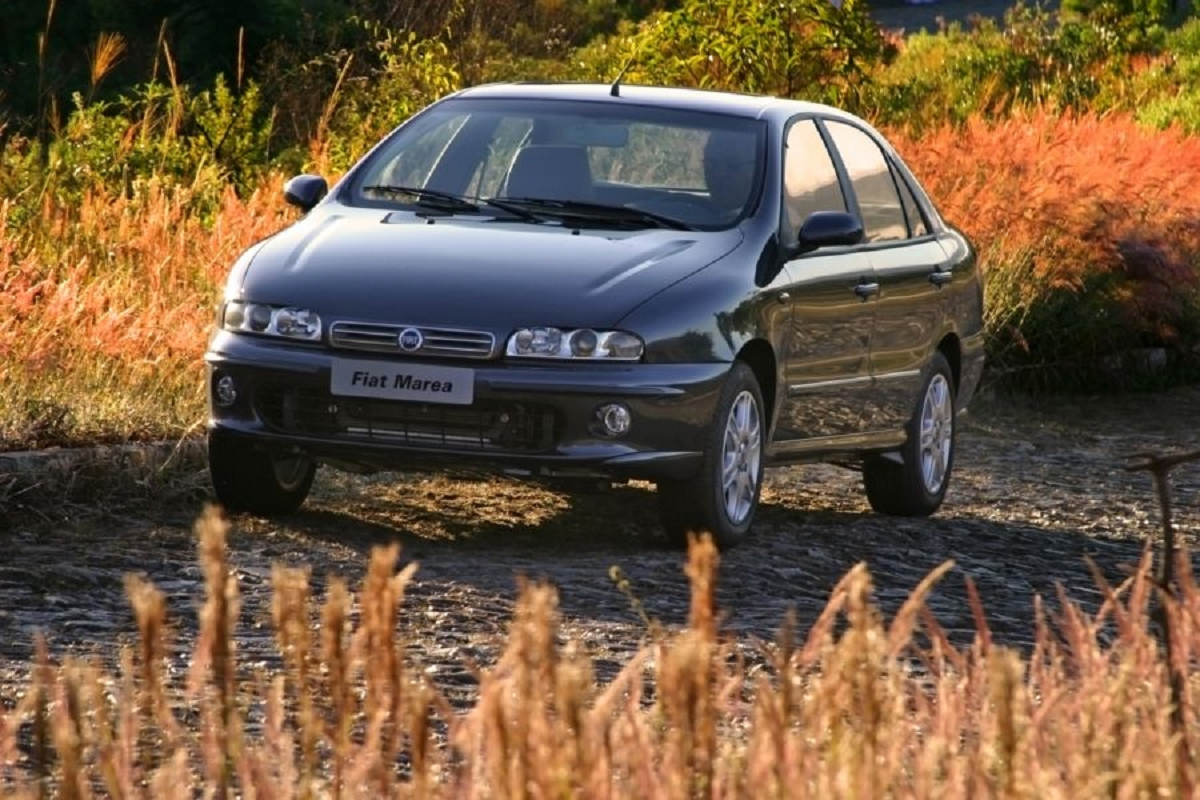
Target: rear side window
[912, 209]
[810, 181]
[871, 176]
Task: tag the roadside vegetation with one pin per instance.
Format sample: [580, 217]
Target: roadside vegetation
[857, 706]
[137, 161]
[1064, 145]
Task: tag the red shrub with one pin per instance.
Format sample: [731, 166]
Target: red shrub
[1062, 204]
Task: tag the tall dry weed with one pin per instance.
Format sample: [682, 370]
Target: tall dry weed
[849, 704]
[105, 307]
[1087, 226]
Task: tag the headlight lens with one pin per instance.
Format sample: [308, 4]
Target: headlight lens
[578, 344]
[285, 321]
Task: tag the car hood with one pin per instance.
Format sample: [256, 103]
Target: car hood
[475, 273]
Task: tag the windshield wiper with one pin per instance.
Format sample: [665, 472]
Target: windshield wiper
[596, 212]
[448, 201]
[429, 198]
[515, 209]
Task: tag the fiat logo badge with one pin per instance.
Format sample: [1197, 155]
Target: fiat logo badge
[410, 340]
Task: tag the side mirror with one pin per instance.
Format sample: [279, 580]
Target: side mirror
[829, 229]
[305, 191]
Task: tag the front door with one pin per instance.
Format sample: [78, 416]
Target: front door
[827, 369]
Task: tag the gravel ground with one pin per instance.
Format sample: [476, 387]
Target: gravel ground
[1038, 486]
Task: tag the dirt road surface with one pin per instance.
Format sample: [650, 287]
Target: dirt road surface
[1038, 486]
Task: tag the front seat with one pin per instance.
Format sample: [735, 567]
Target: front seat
[550, 172]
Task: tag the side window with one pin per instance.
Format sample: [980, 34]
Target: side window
[912, 209]
[810, 181]
[883, 215]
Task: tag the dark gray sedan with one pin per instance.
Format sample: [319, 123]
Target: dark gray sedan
[614, 283]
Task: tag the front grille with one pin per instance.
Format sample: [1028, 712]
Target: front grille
[481, 426]
[443, 342]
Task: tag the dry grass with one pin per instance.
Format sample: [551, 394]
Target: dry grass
[105, 307]
[857, 707]
[105, 304]
[1088, 227]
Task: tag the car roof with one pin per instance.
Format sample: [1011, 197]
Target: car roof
[745, 105]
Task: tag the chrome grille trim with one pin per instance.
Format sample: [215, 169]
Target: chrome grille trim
[384, 338]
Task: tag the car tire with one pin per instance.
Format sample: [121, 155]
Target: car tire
[723, 498]
[916, 486]
[248, 479]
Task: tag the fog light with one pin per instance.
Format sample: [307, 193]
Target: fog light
[225, 391]
[614, 418]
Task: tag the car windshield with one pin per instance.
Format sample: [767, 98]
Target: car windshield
[574, 162]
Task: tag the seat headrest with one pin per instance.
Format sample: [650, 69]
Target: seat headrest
[550, 172]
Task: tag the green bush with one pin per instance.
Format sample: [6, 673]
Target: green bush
[169, 136]
[1135, 12]
[807, 49]
[1034, 59]
[408, 73]
[1169, 90]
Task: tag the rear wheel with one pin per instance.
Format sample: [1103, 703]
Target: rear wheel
[916, 486]
[247, 479]
[723, 498]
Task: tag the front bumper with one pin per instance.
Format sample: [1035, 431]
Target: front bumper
[530, 419]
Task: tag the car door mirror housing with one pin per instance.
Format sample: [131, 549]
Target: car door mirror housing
[305, 191]
[829, 229]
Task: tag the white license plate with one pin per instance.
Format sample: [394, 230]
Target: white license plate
[424, 383]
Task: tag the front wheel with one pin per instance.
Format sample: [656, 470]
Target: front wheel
[723, 498]
[247, 479]
[916, 485]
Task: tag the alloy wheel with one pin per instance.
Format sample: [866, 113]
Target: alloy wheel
[937, 433]
[741, 457]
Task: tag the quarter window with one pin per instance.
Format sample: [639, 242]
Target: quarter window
[810, 181]
[882, 214]
[912, 209]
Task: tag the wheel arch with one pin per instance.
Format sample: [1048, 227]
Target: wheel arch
[951, 347]
[760, 357]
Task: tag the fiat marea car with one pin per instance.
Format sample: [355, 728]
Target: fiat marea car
[604, 283]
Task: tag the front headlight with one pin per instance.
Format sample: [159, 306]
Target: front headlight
[284, 321]
[577, 344]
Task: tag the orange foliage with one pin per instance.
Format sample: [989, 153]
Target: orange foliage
[1088, 200]
[129, 280]
[116, 292]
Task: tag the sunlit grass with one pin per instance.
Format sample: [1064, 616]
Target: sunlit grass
[845, 704]
[105, 307]
[1088, 229]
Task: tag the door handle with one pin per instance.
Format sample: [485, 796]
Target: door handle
[865, 290]
[939, 278]
[782, 298]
